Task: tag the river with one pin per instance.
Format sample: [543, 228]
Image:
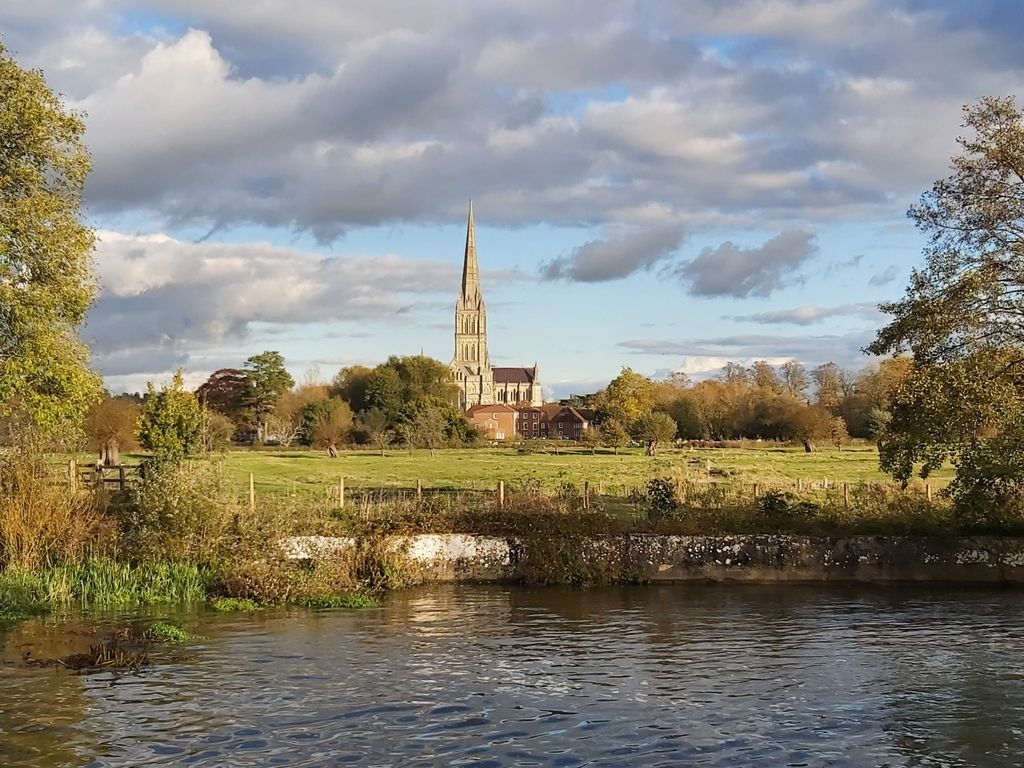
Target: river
[709, 675]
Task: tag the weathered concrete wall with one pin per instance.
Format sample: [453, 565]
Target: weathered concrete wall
[643, 557]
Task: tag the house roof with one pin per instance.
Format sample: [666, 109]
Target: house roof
[515, 375]
[496, 408]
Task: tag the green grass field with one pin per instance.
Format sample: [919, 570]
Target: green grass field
[309, 471]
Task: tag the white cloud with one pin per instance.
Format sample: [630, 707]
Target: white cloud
[164, 300]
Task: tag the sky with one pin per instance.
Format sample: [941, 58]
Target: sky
[665, 185]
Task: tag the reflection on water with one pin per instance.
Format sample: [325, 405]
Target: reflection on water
[489, 676]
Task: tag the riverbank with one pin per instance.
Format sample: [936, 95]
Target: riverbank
[644, 558]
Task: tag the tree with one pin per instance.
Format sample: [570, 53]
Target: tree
[829, 385]
[288, 421]
[627, 397]
[171, 422]
[218, 430]
[427, 428]
[960, 318]
[613, 434]
[224, 392]
[110, 427]
[794, 378]
[763, 376]
[375, 424]
[266, 381]
[654, 429]
[327, 423]
[350, 385]
[46, 281]
[808, 424]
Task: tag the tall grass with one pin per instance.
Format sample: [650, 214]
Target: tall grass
[102, 583]
[43, 520]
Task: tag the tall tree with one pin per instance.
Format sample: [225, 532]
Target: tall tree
[829, 385]
[794, 378]
[350, 385]
[224, 392]
[171, 422]
[627, 397]
[267, 380]
[46, 281]
[764, 376]
[961, 319]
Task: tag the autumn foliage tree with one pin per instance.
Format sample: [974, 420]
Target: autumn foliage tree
[960, 318]
[110, 427]
[46, 281]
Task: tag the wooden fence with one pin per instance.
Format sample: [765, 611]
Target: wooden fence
[341, 494]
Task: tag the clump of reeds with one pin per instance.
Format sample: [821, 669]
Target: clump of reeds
[45, 518]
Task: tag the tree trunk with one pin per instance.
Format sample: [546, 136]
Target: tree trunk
[110, 456]
[808, 446]
[650, 449]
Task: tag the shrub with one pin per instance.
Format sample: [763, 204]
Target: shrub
[178, 511]
[661, 499]
[781, 508]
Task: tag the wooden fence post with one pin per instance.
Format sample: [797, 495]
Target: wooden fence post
[252, 493]
[586, 494]
[120, 477]
[928, 491]
[799, 485]
[501, 494]
[341, 492]
[73, 475]
[756, 489]
[846, 495]
[419, 490]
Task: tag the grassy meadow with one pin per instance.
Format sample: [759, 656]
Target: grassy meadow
[305, 471]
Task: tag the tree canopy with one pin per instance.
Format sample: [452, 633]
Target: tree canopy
[266, 382]
[961, 319]
[171, 422]
[46, 280]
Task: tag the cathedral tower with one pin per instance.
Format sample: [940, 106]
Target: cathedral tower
[471, 365]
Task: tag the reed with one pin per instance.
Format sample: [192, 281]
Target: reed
[44, 519]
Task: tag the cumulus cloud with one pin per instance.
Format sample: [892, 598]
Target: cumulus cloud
[619, 253]
[729, 270]
[884, 277]
[562, 111]
[809, 314]
[164, 299]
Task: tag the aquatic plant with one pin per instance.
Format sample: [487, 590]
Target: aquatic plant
[167, 632]
[229, 604]
[350, 600]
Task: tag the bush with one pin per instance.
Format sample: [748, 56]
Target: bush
[782, 509]
[662, 502]
[178, 512]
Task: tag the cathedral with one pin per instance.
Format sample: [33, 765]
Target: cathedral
[478, 382]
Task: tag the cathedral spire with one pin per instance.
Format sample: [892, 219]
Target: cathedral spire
[470, 270]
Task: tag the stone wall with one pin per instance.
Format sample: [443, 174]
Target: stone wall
[644, 557]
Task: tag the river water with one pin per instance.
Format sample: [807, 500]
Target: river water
[492, 676]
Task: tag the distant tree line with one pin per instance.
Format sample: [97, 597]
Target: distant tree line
[405, 400]
[762, 401]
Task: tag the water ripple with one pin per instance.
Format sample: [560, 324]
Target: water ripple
[688, 675]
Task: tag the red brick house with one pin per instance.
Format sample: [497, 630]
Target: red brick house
[499, 422]
[554, 421]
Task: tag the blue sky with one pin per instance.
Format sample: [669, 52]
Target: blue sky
[664, 185]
